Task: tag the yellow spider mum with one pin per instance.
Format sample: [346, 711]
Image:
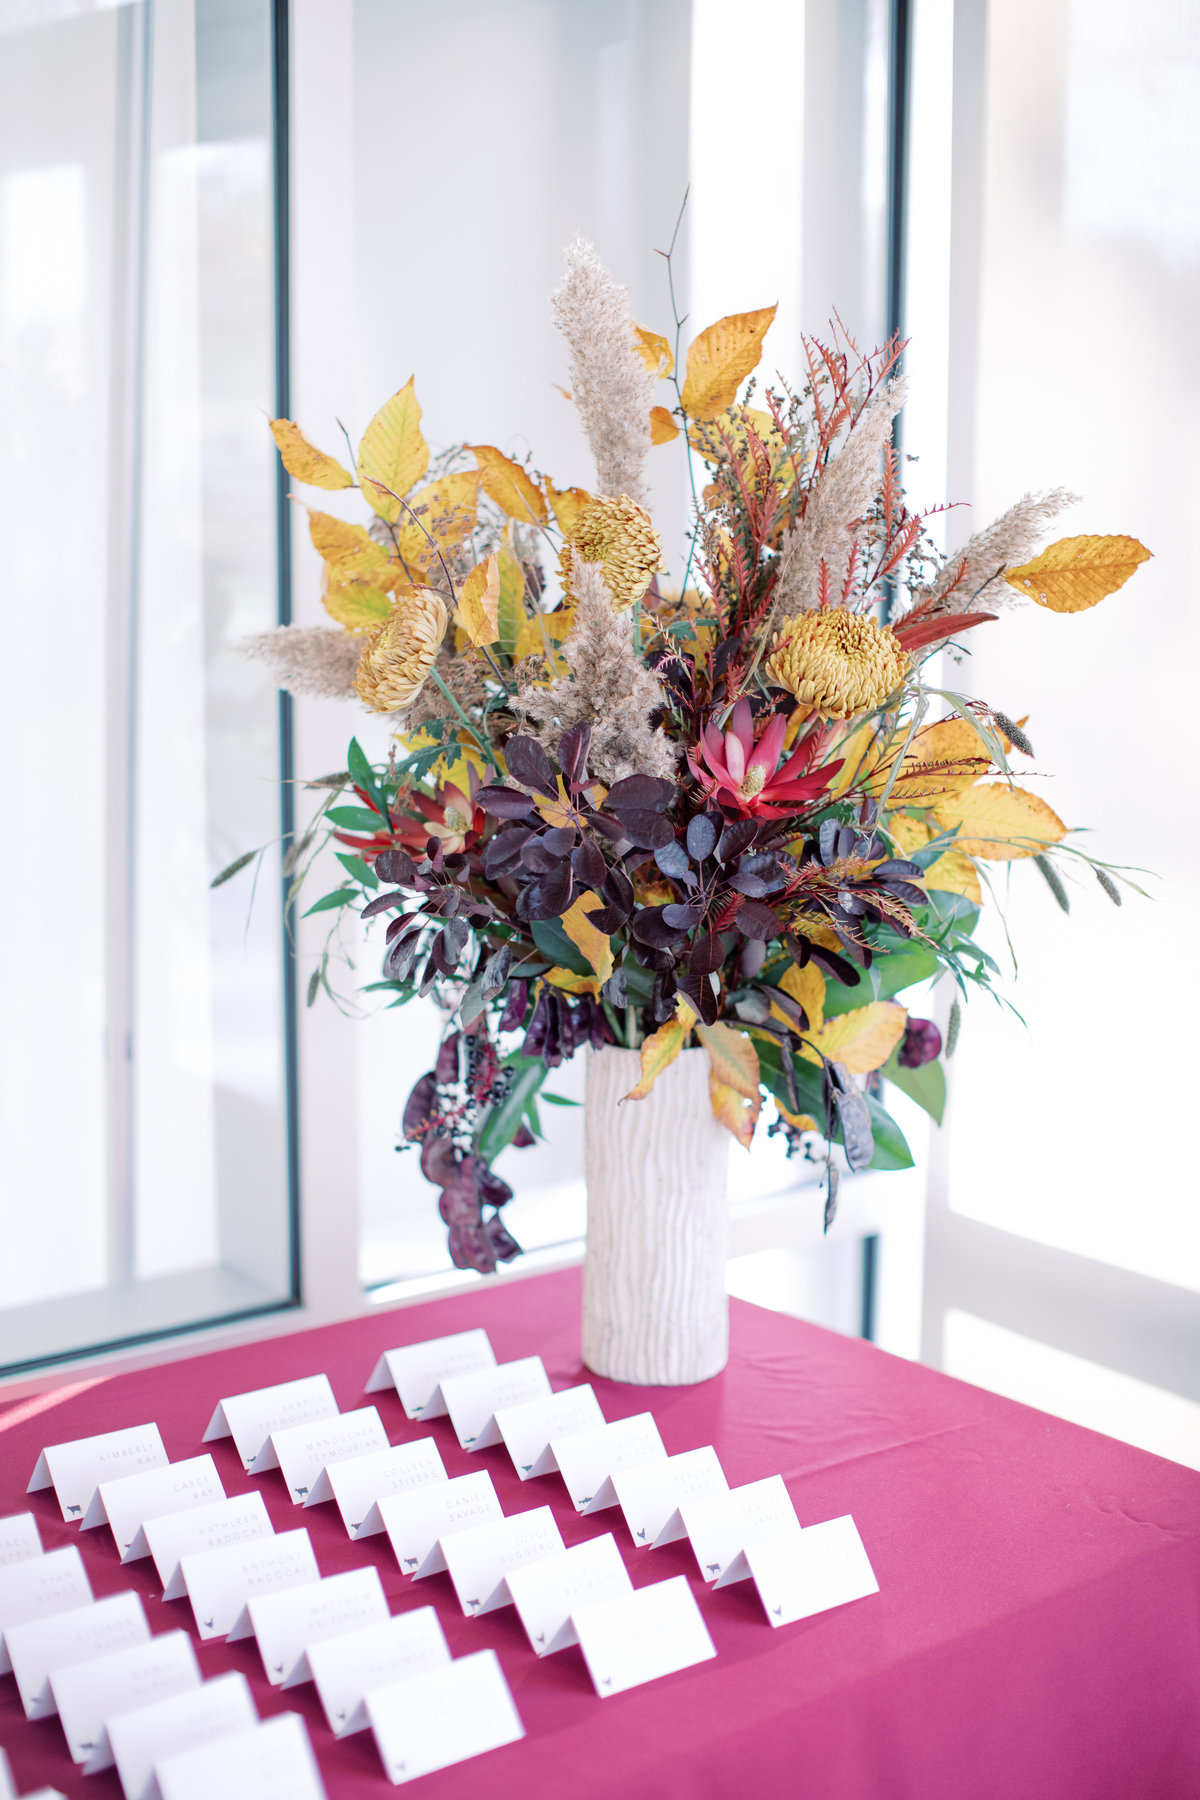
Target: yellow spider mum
[618, 535]
[837, 662]
[399, 654]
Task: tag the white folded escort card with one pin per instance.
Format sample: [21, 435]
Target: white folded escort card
[142, 1737]
[76, 1469]
[799, 1573]
[416, 1370]
[86, 1694]
[417, 1522]
[546, 1593]
[19, 1540]
[722, 1524]
[443, 1716]
[38, 1588]
[345, 1669]
[480, 1559]
[274, 1761]
[286, 1623]
[303, 1451]
[360, 1481]
[251, 1418]
[639, 1636]
[220, 1582]
[588, 1459]
[652, 1494]
[528, 1428]
[474, 1400]
[242, 1519]
[125, 1504]
[8, 1787]
[43, 1646]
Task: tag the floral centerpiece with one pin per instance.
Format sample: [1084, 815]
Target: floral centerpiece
[714, 825]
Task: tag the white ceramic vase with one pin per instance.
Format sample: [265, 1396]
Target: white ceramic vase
[655, 1310]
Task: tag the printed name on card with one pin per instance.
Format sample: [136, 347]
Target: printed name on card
[444, 1716]
[346, 1668]
[67, 1638]
[720, 1525]
[546, 1593]
[223, 1524]
[86, 1694]
[76, 1469]
[652, 1494]
[38, 1588]
[287, 1623]
[799, 1573]
[480, 1558]
[19, 1540]
[639, 1636]
[359, 1482]
[126, 1503]
[416, 1370]
[303, 1451]
[251, 1418]
[416, 1523]
[588, 1459]
[140, 1738]
[473, 1400]
[220, 1582]
[528, 1428]
[274, 1761]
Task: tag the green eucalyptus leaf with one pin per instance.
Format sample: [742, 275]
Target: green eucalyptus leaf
[926, 1085]
[504, 1121]
[354, 818]
[330, 902]
[554, 943]
[891, 1146]
[363, 776]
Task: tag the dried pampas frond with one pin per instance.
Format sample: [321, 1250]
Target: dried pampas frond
[612, 690]
[1009, 541]
[610, 384]
[312, 660]
[843, 492]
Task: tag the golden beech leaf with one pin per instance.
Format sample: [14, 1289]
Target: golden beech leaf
[479, 602]
[571, 983]
[510, 612]
[998, 822]
[733, 1110]
[658, 1052]
[1078, 572]
[720, 359]
[663, 429]
[859, 753]
[654, 350]
[733, 1058]
[806, 987]
[347, 549]
[567, 503]
[592, 944]
[356, 604]
[393, 453]
[802, 1121]
[861, 1040]
[534, 634]
[447, 507]
[304, 461]
[506, 482]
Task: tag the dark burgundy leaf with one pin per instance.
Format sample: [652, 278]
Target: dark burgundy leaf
[609, 828]
[396, 865]
[836, 965]
[503, 1246]
[513, 1016]
[849, 902]
[833, 1179]
[440, 956]
[502, 803]
[523, 1139]
[795, 1012]
[827, 839]
[737, 836]
[493, 1189]
[495, 971]
[573, 747]
[381, 903]
[895, 869]
[397, 926]
[854, 1116]
[903, 890]
[528, 763]
[504, 849]
[662, 960]
[429, 975]
[618, 889]
[847, 841]
[747, 883]
[550, 897]
[539, 1026]
[589, 865]
[662, 1000]
[397, 964]
[446, 1069]
[701, 837]
[456, 934]
[561, 839]
[672, 859]
[471, 1248]
[607, 918]
[707, 954]
[751, 958]
[766, 867]
[456, 864]
[538, 857]
[697, 991]
[440, 1164]
[615, 989]
[681, 918]
[758, 920]
[418, 1108]
[650, 927]
[648, 830]
[642, 792]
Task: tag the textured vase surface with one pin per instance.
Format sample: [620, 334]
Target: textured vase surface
[655, 1309]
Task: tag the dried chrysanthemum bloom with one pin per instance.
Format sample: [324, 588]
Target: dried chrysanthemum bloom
[838, 662]
[399, 654]
[618, 535]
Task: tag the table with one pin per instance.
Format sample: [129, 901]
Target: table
[1037, 1632]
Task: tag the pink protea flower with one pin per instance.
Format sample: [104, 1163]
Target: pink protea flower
[742, 773]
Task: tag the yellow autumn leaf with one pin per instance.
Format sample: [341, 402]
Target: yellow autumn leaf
[859, 753]
[592, 944]
[448, 506]
[571, 983]
[534, 634]
[479, 602]
[733, 1110]
[998, 822]
[802, 1121]
[659, 1051]
[950, 873]
[733, 1057]
[655, 351]
[861, 1040]
[1078, 572]
[507, 483]
[806, 987]
[663, 429]
[347, 549]
[393, 453]
[720, 359]
[566, 503]
[304, 461]
[356, 604]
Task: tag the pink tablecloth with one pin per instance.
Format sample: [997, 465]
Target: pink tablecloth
[1037, 1632]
